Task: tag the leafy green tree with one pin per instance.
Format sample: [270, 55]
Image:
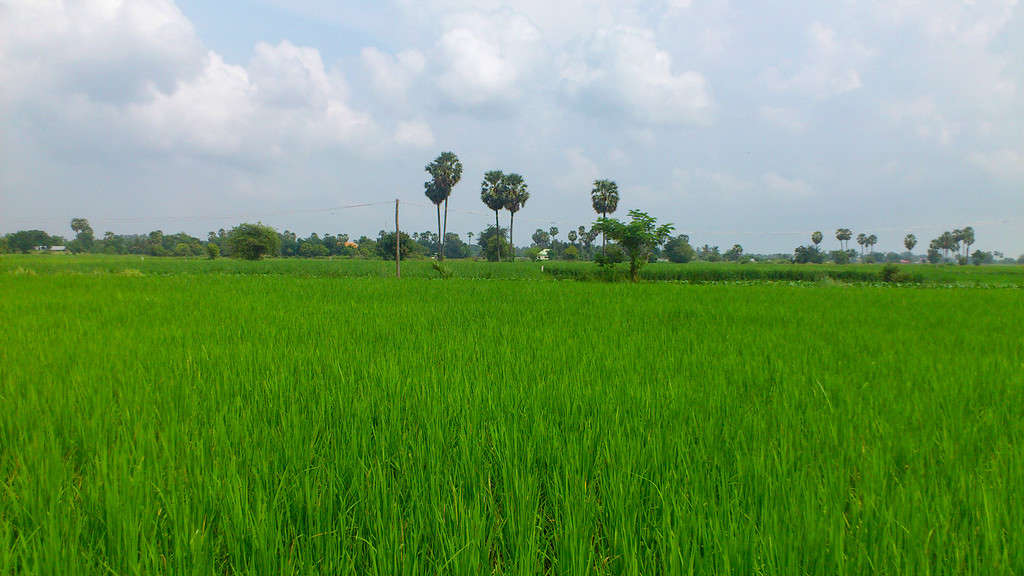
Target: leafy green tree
[808, 255]
[843, 235]
[709, 254]
[541, 239]
[638, 237]
[445, 172]
[817, 237]
[385, 245]
[604, 197]
[254, 241]
[979, 257]
[492, 243]
[735, 253]
[495, 196]
[212, 250]
[840, 256]
[934, 256]
[309, 249]
[909, 241]
[4, 246]
[25, 241]
[570, 253]
[516, 195]
[454, 247]
[678, 249]
[83, 234]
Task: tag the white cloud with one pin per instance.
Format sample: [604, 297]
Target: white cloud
[392, 76]
[580, 173]
[786, 188]
[1005, 163]
[625, 66]
[830, 69]
[924, 117]
[416, 134]
[487, 58]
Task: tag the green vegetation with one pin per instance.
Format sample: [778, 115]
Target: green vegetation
[173, 416]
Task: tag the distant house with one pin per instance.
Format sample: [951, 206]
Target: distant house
[544, 254]
[58, 249]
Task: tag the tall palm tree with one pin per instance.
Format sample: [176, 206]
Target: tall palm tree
[494, 195]
[817, 237]
[871, 241]
[844, 235]
[967, 238]
[909, 241]
[605, 199]
[862, 240]
[445, 172]
[516, 196]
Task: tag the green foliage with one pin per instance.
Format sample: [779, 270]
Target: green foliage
[442, 269]
[909, 241]
[808, 255]
[817, 237]
[638, 238]
[979, 257]
[310, 250]
[385, 245]
[678, 249]
[254, 241]
[212, 250]
[541, 238]
[570, 253]
[25, 241]
[840, 256]
[605, 197]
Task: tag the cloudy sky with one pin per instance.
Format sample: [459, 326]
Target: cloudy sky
[748, 122]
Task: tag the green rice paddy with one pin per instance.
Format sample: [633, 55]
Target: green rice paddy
[296, 417]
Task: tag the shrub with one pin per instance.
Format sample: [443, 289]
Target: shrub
[254, 241]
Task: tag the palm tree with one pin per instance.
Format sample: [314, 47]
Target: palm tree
[909, 241]
[605, 199]
[843, 235]
[515, 198]
[817, 237]
[494, 195]
[967, 238]
[862, 240]
[445, 172]
[572, 238]
[871, 241]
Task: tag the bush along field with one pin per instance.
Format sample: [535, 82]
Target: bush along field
[275, 424]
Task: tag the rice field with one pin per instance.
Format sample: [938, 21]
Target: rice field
[175, 421]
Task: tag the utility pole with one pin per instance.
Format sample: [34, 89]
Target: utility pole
[398, 244]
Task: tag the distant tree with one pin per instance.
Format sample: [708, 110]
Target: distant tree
[83, 234]
[709, 254]
[541, 239]
[605, 199]
[454, 247]
[735, 253]
[839, 256]
[862, 241]
[909, 241]
[871, 241]
[948, 242]
[385, 245]
[492, 243]
[843, 235]
[638, 237]
[570, 253]
[445, 172]
[934, 256]
[516, 195]
[967, 239]
[572, 236]
[494, 195]
[4, 246]
[978, 257]
[817, 237]
[25, 241]
[254, 241]
[212, 250]
[311, 249]
[553, 232]
[808, 255]
[678, 249]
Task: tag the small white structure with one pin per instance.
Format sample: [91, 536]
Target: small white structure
[58, 249]
[544, 254]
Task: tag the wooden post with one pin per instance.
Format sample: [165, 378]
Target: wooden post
[398, 244]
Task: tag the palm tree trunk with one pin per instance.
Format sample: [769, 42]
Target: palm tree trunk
[604, 241]
[497, 234]
[439, 231]
[511, 242]
[445, 230]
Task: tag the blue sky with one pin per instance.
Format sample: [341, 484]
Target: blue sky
[741, 122]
